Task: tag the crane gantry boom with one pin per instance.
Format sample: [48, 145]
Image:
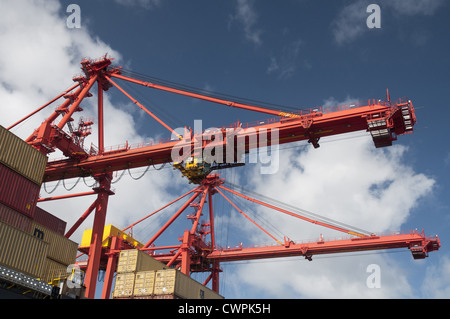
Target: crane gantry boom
[383, 119]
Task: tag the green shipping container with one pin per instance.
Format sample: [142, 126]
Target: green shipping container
[21, 157]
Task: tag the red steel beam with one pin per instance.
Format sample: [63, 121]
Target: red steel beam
[101, 130]
[289, 131]
[156, 211]
[143, 108]
[81, 219]
[172, 219]
[76, 104]
[204, 97]
[44, 106]
[95, 247]
[292, 214]
[110, 268]
[65, 196]
[240, 211]
[326, 247]
[200, 209]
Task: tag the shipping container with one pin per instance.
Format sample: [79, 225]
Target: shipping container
[53, 270]
[144, 283]
[21, 251]
[21, 157]
[158, 297]
[161, 284]
[124, 285]
[14, 218]
[60, 248]
[175, 283]
[134, 260]
[108, 231]
[49, 221]
[18, 192]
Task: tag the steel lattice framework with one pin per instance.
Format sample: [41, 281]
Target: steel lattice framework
[198, 252]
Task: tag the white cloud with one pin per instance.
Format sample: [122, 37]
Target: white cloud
[437, 280]
[286, 63]
[324, 278]
[248, 18]
[350, 23]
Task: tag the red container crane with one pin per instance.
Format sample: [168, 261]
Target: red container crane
[384, 119]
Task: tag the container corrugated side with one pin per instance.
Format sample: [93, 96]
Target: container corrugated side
[53, 270]
[18, 192]
[174, 282]
[172, 296]
[144, 283]
[21, 157]
[61, 249]
[188, 288]
[21, 251]
[50, 221]
[14, 218]
[165, 282]
[124, 285]
[134, 260]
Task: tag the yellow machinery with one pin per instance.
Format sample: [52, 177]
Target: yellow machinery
[108, 232]
[195, 169]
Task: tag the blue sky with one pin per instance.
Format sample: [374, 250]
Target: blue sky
[298, 54]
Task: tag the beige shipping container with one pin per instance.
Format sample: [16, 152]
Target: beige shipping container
[175, 283]
[133, 260]
[124, 285]
[60, 248]
[53, 270]
[144, 283]
[21, 251]
[21, 157]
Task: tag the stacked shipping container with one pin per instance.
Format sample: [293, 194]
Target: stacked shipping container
[140, 276]
[31, 240]
[22, 251]
[129, 263]
[21, 157]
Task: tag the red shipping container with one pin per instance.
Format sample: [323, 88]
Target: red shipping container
[18, 192]
[13, 218]
[49, 221]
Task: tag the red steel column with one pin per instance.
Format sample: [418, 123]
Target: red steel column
[101, 145]
[185, 254]
[95, 249]
[215, 277]
[110, 268]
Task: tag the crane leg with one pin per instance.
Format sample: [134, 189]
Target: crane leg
[95, 249]
[110, 269]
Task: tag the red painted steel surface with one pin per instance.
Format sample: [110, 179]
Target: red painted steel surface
[49, 221]
[18, 192]
[14, 218]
